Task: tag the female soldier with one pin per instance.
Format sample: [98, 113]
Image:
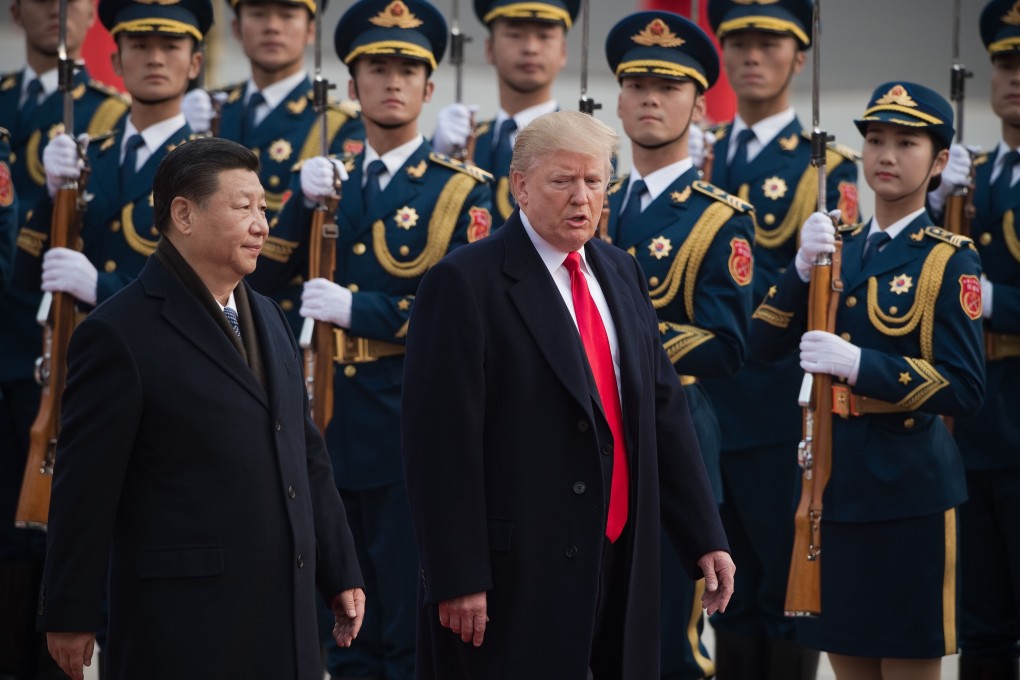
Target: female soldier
[906, 349]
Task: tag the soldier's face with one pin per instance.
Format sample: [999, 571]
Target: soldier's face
[899, 162]
[222, 237]
[1006, 88]
[391, 90]
[528, 55]
[760, 65]
[156, 68]
[274, 35]
[656, 112]
[40, 20]
[562, 195]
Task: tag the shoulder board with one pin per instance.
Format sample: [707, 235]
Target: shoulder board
[483, 127]
[346, 107]
[8, 80]
[720, 195]
[108, 90]
[949, 237]
[475, 172]
[845, 151]
[4, 133]
[720, 129]
[107, 114]
[616, 184]
[850, 229]
[103, 137]
[981, 158]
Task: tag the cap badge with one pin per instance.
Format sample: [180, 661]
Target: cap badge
[657, 33]
[897, 95]
[396, 14]
[1012, 17]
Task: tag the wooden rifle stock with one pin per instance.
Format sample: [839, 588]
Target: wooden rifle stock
[51, 368]
[804, 586]
[320, 347]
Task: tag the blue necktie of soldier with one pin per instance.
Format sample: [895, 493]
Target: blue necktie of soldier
[251, 108]
[31, 104]
[128, 167]
[632, 211]
[372, 187]
[874, 244]
[739, 163]
[504, 151]
[600, 359]
[232, 318]
[1001, 188]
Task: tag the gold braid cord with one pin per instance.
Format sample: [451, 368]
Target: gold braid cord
[1009, 234]
[278, 249]
[441, 227]
[688, 260]
[313, 142]
[138, 244]
[501, 197]
[773, 316]
[689, 337]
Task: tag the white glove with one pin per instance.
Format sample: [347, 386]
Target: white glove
[822, 352]
[453, 127]
[317, 177]
[69, 271]
[697, 141]
[986, 297]
[198, 110]
[954, 176]
[61, 160]
[817, 235]
[324, 300]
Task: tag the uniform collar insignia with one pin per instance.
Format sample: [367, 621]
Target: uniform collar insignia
[918, 236]
[657, 33]
[396, 14]
[681, 196]
[297, 106]
[417, 171]
[789, 143]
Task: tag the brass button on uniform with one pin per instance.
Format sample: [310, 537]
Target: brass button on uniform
[274, 181]
[359, 249]
[115, 226]
[845, 336]
[580, 488]
[286, 305]
[908, 423]
[894, 309]
[851, 301]
[404, 250]
[353, 288]
[350, 371]
[110, 266]
[985, 239]
[653, 281]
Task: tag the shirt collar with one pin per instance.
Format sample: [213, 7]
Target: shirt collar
[278, 91]
[660, 180]
[48, 80]
[551, 256]
[155, 135]
[1000, 156]
[896, 227]
[231, 302]
[393, 159]
[767, 128]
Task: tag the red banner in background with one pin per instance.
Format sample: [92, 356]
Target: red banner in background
[722, 103]
[96, 52]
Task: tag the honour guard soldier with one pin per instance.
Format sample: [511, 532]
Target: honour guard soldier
[694, 243]
[31, 109]
[8, 213]
[907, 348]
[527, 45]
[763, 156]
[990, 441]
[403, 207]
[272, 113]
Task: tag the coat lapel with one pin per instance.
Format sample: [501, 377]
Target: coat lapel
[269, 340]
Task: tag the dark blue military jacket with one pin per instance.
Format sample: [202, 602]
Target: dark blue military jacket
[8, 213]
[915, 312]
[502, 201]
[991, 439]
[783, 188]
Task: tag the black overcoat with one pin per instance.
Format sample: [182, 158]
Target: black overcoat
[504, 443]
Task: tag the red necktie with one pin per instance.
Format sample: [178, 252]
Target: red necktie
[600, 358]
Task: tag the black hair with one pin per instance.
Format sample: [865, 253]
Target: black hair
[192, 171]
[938, 145]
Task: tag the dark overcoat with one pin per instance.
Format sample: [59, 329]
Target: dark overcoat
[504, 445]
[210, 499]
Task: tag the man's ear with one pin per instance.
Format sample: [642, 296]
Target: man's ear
[181, 210]
[519, 187]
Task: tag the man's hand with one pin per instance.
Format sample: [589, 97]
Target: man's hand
[822, 352]
[697, 141]
[71, 651]
[817, 236]
[453, 127]
[349, 612]
[317, 177]
[955, 175]
[718, 569]
[467, 617]
[61, 160]
[324, 300]
[986, 297]
[198, 110]
[69, 271]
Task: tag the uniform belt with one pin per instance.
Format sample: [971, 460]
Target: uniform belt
[1001, 346]
[688, 380]
[846, 404]
[354, 350]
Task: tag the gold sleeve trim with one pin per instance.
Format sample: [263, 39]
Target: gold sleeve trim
[442, 224]
[138, 244]
[313, 142]
[106, 116]
[278, 249]
[772, 316]
[1009, 234]
[689, 337]
[923, 310]
[933, 382]
[32, 241]
[685, 266]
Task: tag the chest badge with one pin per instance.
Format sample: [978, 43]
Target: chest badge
[406, 217]
[774, 188]
[280, 150]
[900, 284]
[660, 247]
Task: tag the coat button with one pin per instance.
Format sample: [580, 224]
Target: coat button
[278, 426]
[300, 561]
[607, 449]
[845, 336]
[359, 249]
[291, 492]
[908, 423]
[582, 426]
[353, 288]
[985, 239]
[350, 371]
[579, 488]
[571, 551]
[851, 301]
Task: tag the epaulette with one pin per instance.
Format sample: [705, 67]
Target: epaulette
[720, 195]
[8, 80]
[5, 133]
[616, 184]
[233, 91]
[346, 107]
[720, 129]
[474, 171]
[108, 90]
[483, 127]
[841, 149]
[107, 114]
[981, 158]
[852, 229]
[949, 237]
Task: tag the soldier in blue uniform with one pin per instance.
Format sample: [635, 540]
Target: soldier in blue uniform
[272, 113]
[403, 207]
[907, 348]
[763, 157]
[990, 441]
[31, 109]
[527, 45]
[8, 213]
[694, 243]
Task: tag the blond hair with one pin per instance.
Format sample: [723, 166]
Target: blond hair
[561, 131]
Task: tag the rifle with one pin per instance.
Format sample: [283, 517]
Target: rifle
[960, 204]
[57, 317]
[317, 338]
[803, 588]
[464, 153]
[589, 106]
